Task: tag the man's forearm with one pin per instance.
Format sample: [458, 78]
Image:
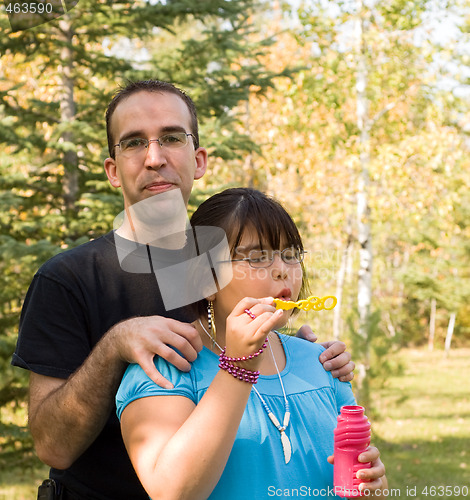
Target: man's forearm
[66, 417]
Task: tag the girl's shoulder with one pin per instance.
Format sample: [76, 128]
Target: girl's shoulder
[136, 384]
[303, 363]
[297, 346]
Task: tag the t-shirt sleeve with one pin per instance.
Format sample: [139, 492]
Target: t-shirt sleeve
[53, 335]
[344, 394]
[342, 390]
[136, 384]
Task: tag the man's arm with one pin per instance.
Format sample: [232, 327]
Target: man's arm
[335, 358]
[66, 416]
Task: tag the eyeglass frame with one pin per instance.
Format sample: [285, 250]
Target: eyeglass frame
[158, 139]
[274, 253]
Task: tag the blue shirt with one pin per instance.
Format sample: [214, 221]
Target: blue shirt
[256, 467]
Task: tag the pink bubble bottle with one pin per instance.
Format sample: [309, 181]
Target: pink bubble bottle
[352, 437]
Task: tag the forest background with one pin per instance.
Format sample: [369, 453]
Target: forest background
[354, 114]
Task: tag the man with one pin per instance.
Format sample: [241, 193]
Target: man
[85, 318]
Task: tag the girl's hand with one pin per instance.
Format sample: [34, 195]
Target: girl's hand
[374, 477]
[245, 335]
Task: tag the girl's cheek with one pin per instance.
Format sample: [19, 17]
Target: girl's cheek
[239, 273]
[248, 273]
[259, 274]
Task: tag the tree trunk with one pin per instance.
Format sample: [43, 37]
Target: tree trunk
[67, 116]
[340, 282]
[249, 166]
[390, 327]
[432, 325]
[364, 292]
[450, 332]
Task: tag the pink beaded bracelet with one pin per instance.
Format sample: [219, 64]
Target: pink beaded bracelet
[242, 374]
[244, 358]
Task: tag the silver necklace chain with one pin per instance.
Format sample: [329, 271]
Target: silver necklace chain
[209, 335]
[286, 444]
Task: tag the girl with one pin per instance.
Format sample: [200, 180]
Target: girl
[254, 417]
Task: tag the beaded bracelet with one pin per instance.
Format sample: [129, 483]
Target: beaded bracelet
[238, 372]
[244, 358]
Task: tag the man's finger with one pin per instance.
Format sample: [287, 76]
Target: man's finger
[170, 355]
[306, 333]
[347, 378]
[188, 332]
[343, 370]
[184, 348]
[155, 375]
[333, 349]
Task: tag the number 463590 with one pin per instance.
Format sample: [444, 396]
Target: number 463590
[29, 8]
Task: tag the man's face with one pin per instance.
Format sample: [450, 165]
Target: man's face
[149, 115]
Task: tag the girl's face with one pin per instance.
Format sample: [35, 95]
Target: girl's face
[279, 280]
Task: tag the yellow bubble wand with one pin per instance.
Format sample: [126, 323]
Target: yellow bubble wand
[310, 304]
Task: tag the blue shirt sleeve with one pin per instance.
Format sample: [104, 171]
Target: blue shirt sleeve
[344, 394]
[136, 384]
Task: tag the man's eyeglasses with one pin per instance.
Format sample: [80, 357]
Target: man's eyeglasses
[136, 145]
[264, 258]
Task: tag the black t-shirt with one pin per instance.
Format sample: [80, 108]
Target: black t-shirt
[73, 300]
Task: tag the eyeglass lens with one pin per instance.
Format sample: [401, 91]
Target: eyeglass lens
[169, 141]
[264, 258]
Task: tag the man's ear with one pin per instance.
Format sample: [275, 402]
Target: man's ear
[111, 171]
[201, 163]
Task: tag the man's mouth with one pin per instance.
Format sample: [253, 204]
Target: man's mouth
[159, 187]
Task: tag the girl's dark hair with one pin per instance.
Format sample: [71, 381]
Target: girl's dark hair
[238, 209]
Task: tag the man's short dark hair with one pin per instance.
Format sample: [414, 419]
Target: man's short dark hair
[150, 86]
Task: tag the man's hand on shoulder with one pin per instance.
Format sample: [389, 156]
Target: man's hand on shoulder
[335, 358]
[138, 340]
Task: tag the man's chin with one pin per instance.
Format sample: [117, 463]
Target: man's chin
[156, 208]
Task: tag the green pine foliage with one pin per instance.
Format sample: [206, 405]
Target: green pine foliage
[296, 137]
[55, 83]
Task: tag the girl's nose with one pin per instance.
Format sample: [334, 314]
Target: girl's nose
[279, 269]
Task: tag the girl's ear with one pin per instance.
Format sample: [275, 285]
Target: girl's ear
[211, 297]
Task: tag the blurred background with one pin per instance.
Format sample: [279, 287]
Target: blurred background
[354, 114]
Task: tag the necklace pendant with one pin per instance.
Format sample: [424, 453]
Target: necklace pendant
[286, 447]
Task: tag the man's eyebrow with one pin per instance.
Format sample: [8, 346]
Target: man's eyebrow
[173, 128]
[133, 133]
[141, 133]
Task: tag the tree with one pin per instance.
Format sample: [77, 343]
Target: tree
[56, 80]
[397, 160]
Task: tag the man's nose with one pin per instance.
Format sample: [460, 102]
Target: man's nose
[155, 155]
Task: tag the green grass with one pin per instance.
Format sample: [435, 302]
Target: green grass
[421, 425]
[22, 484]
